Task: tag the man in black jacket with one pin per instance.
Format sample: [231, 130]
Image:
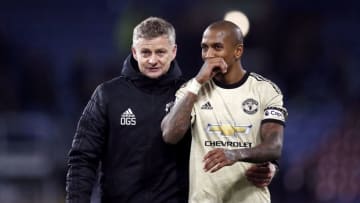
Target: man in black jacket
[120, 128]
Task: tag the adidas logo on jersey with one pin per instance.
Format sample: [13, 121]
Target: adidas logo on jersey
[207, 106]
[128, 118]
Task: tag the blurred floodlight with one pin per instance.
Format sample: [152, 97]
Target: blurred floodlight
[240, 19]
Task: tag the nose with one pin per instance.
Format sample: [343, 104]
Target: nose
[153, 59]
[209, 54]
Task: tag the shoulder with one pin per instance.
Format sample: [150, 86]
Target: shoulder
[264, 83]
[181, 91]
[111, 87]
[114, 84]
[180, 83]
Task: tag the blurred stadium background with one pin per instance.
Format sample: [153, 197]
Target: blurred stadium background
[54, 53]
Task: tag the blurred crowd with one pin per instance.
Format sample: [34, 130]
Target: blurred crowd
[310, 49]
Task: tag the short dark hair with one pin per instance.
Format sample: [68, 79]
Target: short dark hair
[232, 29]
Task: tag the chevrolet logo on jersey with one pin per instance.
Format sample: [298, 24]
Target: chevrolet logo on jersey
[228, 130]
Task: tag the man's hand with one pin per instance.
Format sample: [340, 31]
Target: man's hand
[210, 68]
[261, 174]
[218, 158]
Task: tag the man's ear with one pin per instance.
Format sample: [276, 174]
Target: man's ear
[239, 51]
[174, 51]
[133, 51]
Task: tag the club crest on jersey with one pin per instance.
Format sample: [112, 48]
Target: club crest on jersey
[250, 106]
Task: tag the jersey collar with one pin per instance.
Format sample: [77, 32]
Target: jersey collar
[234, 85]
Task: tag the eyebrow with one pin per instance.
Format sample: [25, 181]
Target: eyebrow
[211, 44]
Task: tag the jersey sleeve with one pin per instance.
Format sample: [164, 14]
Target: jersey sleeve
[182, 91]
[274, 110]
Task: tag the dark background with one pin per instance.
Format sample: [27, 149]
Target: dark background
[54, 53]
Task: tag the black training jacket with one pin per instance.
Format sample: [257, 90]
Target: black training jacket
[120, 129]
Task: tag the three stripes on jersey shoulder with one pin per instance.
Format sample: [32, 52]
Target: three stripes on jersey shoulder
[262, 78]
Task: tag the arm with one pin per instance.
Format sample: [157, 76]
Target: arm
[269, 149]
[178, 120]
[262, 174]
[85, 151]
